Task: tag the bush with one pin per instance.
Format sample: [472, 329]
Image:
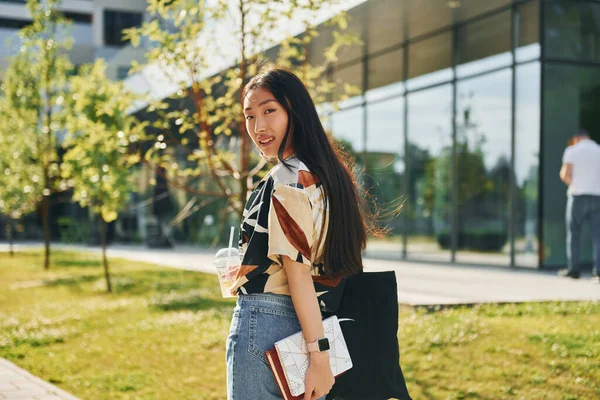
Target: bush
[73, 231]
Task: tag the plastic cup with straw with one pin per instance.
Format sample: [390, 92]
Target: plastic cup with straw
[227, 263]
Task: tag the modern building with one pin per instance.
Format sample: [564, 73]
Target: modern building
[96, 30]
[466, 109]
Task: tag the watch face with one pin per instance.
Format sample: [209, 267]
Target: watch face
[323, 344]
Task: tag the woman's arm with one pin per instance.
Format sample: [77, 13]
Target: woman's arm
[319, 378]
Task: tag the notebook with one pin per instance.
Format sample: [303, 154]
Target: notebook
[289, 359]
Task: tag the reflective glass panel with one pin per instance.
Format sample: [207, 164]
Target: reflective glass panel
[428, 167]
[483, 153]
[385, 75]
[572, 29]
[571, 102]
[528, 46]
[384, 178]
[357, 17]
[348, 84]
[385, 25]
[317, 46]
[527, 164]
[484, 45]
[465, 9]
[430, 61]
[347, 127]
[425, 16]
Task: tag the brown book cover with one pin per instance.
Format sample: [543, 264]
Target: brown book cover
[277, 369]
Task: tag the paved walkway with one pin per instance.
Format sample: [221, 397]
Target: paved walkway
[16, 383]
[419, 283]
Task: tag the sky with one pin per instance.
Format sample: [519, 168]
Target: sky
[225, 51]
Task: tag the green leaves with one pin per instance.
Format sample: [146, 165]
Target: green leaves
[98, 159]
[31, 103]
[20, 177]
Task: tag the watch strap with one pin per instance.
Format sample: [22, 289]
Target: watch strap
[313, 346]
[318, 345]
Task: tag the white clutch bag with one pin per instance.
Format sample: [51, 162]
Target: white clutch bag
[293, 356]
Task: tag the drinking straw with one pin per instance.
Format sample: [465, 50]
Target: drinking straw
[230, 244]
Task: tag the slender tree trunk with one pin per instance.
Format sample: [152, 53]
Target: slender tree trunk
[104, 260]
[48, 148]
[10, 238]
[46, 223]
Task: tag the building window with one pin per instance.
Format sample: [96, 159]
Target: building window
[527, 164]
[115, 22]
[381, 15]
[13, 23]
[347, 127]
[384, 177]
[484, 45]
[79, 18]
[528, 45]
[571, 99]
[348, 85]
[122, 72]
[483, 156]
[430, 61]
[429, 154]
[385, 74]
[572, 29]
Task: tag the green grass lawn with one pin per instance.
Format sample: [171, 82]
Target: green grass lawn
[161, 335]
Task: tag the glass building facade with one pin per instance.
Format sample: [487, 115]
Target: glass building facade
[465, 109]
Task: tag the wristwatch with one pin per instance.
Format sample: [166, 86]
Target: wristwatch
[319, 345]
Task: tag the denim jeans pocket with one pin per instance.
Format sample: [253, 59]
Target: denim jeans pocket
[267, 326]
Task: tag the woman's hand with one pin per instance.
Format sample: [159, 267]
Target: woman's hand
[319, 379]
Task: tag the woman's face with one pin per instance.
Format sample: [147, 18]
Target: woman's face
[266, 122]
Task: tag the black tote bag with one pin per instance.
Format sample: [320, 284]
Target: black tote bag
[371, 300]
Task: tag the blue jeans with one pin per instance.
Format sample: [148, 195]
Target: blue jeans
[580, 209]
[259, 320]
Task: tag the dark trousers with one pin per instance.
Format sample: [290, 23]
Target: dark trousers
[580, 209]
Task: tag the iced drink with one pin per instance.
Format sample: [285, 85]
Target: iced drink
[227, 263]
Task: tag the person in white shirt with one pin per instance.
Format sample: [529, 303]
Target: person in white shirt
[581, 172]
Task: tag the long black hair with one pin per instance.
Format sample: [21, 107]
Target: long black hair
[347, 232]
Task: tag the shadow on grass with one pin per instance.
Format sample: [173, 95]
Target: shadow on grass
[163, 282]
[73, 280]
[192, 303]
[165, 289]
[172, 290]
[78, 263]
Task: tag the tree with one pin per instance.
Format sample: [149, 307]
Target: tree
[35, 84]
[97, 158]
[187, 39]
[20, 184]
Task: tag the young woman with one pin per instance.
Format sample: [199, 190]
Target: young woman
[302, 232]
